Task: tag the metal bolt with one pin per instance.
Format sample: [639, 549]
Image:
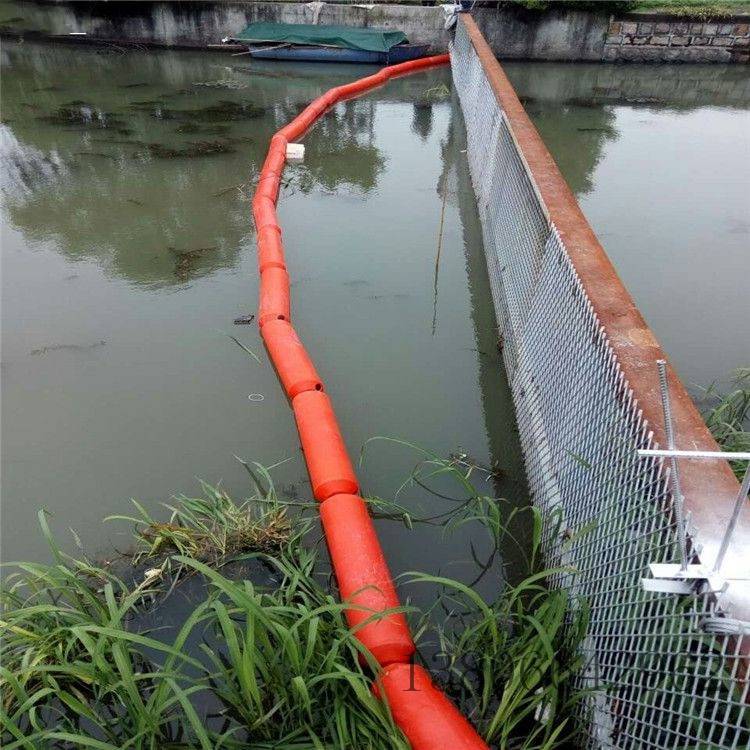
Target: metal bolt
[674, 474]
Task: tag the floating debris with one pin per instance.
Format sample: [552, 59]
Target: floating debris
[66, 347]
[95, 155]
[121, 142]
[189, 128]
[229, 110]
[224, 110]
[229, 189]
[138, 85]
[244, 320]
[84, 115]
[433, 95]
[187, 259]
[223, 83]
[191, 150]
[146, 104]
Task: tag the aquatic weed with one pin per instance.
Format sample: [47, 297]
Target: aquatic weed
[192, 150]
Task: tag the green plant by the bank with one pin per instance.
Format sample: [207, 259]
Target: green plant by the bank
[267, 666]
[214, 527]
[728, 416]
[701, 9]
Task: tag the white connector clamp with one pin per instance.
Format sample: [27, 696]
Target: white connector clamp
[295, 152]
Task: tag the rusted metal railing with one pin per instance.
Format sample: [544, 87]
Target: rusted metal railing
[663, 670]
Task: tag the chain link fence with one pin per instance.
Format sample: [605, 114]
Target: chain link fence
[654, 675]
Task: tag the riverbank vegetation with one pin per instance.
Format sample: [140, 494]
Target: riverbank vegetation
[702, 9]
[727, 415]
[258, 651]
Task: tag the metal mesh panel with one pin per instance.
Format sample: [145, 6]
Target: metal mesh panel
[657, 680]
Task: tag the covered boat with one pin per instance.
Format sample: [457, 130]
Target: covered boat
[319, 43]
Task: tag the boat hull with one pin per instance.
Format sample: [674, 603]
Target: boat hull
[298, 53]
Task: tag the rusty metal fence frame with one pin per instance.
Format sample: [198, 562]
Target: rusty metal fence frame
[661, 670]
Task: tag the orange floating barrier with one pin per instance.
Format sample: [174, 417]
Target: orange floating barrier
[264, 213]
[274, 161]
[363, 578]
[428, 719]
[306, 119]
[348, 89]
[317, 107]
[293, 365]
[274, 296]
[268, 186]
[328, 463]
[278, 142]
[270, 249]
[423, 713]
[292, 131]
[331, 97]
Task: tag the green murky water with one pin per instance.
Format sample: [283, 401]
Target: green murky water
[128, 251]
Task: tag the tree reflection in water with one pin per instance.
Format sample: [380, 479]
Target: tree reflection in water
[146, 162]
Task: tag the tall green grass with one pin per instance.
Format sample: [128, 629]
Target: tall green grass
[268, 666]
[728, 416]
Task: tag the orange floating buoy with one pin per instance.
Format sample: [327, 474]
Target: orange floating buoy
[427, 718]
[364, 579]
[328, 463]
[347, 90]
[292, 131]
[264, 213]
[270, 249]
[278, 142]
[274, 161]
[331, 97]
[268, 186]
[306, 119]
[293, 365]
[274, 296]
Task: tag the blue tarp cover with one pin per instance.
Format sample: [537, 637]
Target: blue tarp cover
[349, 37]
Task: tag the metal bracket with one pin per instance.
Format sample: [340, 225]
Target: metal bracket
[683, 578]
[671, 578]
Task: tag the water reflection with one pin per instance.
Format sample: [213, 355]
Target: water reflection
[670, 86]
[159, 154]
[658, 155]
[341, 149]
[421, 123]
[25, 168]
[592, 128]
[507, 473]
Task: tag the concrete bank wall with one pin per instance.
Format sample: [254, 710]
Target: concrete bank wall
[198, 24]
[556, 34]
[513, 32]
[665, 39]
